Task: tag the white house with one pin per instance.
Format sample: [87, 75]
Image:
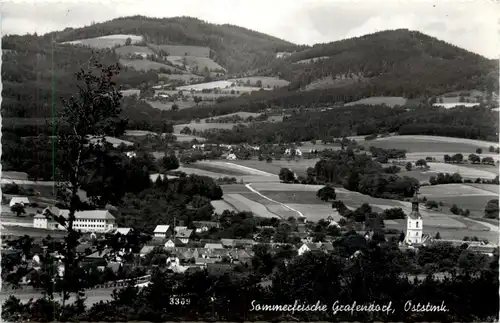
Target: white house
[161, 231]
[131, 154]
[414, 224]
[123, 231]
[231, 157]
[85, 221]
[183, 235]
[298, 152]
[306, 247]
[23, 200]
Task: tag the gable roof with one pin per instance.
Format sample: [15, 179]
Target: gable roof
[201, 224]
[123, 231]
[161, 228]
[146, 249]
[88, 215]
[178, 228]
[183, 233]
[213, 246]
[327, 246]
[19, 200]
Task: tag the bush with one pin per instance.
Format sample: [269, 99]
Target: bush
[454, 209]
[431, 204]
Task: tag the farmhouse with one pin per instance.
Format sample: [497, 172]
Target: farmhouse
[213, 246]
[231, 157]
[86, 221]
[123, 231]
[183, 235]
[22, 200]
[306, 247]
[162, 231]
[131, 154]
[289, 151]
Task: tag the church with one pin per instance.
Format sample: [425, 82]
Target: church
[414, 224]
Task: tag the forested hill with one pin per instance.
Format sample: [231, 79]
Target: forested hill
[237, 49]
[394, 62]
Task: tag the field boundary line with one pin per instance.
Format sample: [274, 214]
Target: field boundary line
[269, 199]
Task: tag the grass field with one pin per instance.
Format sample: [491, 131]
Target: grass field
[299, 167]
[439, 156]
[146, 65]
[138, 133]
[203, 126]
[219, 170]
[192, 61]
[127, 50]
[182, 137]
[463, 171]
[429, 144]
[176, 50]
[266, 80]
[106, 41]
[242, 203]
[131, 92]
[179, 77]
[390, 101]
[168, 105]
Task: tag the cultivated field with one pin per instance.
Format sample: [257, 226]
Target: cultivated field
[451, 105]
[106, 41]
[203, 126]
[146, 65]
[390, 101]
[188, 138]
[220, 206]
[242, 203]
[299, 167]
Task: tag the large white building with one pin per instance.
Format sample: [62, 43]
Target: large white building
[86, 221]
[414, 224]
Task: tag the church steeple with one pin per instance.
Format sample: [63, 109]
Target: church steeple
[414, 206]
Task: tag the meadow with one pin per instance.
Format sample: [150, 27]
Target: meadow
[168, 105]
[132, 50]
[179, 77]
[201, 63]
[265, 80]
[108, 41]
[179, 50]
[390, 101]
[418, 144]
[146, 65]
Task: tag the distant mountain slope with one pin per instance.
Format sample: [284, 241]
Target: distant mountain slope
[235, 48]
[396, 62]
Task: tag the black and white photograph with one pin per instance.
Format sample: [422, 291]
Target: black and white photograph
[242, 161]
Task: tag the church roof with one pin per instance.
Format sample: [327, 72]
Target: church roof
[415, 215]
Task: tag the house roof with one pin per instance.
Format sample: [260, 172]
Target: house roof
[206, 260]
[19, 200]
[177, 228]
[98, 254]
[213, 246]
[227, 242]
[200, 224]
[219, 268]
[328, 246]
[482, 249]
[244, 242]
[123, 231]
[89, 214]
[146, 249]
[184, 233]
[161, 228]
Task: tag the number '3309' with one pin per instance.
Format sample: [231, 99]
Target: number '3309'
[179, 301]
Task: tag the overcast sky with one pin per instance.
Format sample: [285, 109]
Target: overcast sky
[473, 25]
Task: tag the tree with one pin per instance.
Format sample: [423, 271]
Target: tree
[326, 193]
[491, 149]
[438, 236]
[92, 114]
[186, 130]
[286, 175]
[454, 209]
[408, 166]
[128, 41]
[479, 151]
[491, 210]
[258, 83]
[18, 209]
[488, 161]
[447, 158]
[197, 99]
[169, 162]
[473, 158]
[421, 163]
[175, 107]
